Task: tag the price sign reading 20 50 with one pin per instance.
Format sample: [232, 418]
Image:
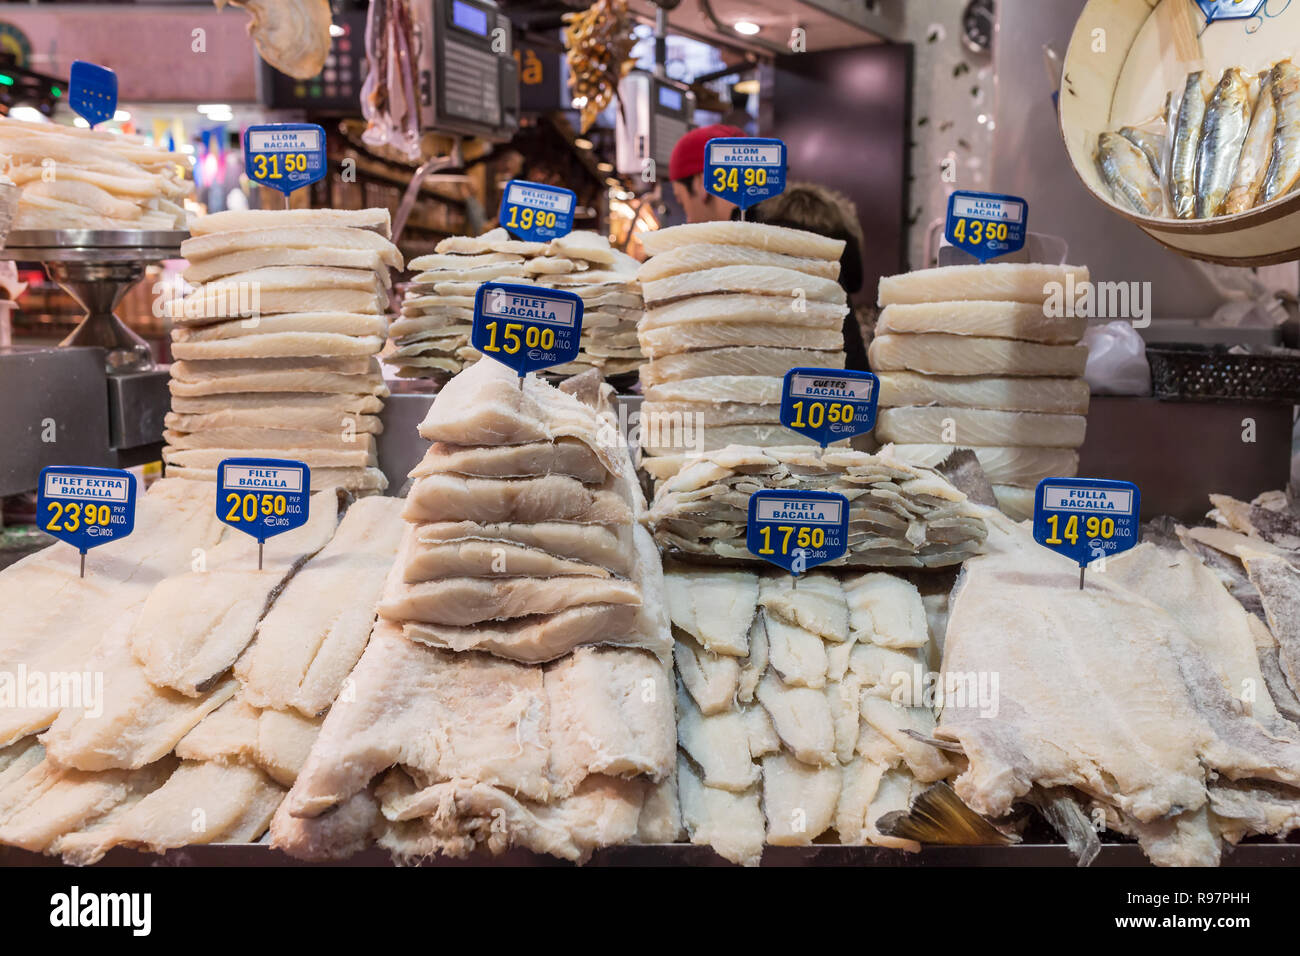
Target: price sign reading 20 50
[263, 497]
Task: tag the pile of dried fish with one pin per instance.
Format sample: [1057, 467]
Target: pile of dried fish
[795, 707]
[91, 179]
[431, 338]
[598, 42]
[900, 515]
[275, 347]
[516, 688]
[1212, 152]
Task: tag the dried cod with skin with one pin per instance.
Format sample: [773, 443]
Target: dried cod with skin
[774, 239]
[1061, 396]
[998, 281]
[291, 35]
[939, 354]
[969, 426]
[1002, 320]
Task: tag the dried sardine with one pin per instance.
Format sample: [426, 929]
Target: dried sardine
[1128, 173]
[1187, 138]
[1223, 134]
[1248, 184]
[1284, 165]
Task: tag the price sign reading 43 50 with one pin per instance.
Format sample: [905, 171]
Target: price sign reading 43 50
[829, 404]
[86, 507]
[797, 530]
[1086, 518]
[526, 327]
[285, 156]
[986, 225]
[263, 497]
[535, 212]
[744, 170]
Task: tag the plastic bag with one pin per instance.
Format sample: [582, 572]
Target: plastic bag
[1117, 360]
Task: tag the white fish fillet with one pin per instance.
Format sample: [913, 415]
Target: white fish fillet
[431, 263]
[357, 479]
[718, 744]
[1016, 503]
[671, 415]
[739, 389]
[459, 602]
[494, 240]
[219, 267]
[240, 437]
[334, 323]
[565, 456]
[731, 823]
[273, 416]
[802, 719]
[207, 246]
[1020, 466]
[766, 309]
[1061, 396]
[887, 611]
[274, 402]
[712, 680]
[606, 547]
[279, 344]
[743, 360]
[798, 800]
[202, 370]
[1003, 320]
[715, 608]
[761, 280]
[656, 343]
[283, 381]
[536, 638]
[817, 605]
[979, 426]
[936, 354]
[997, 281]
[720, 436]
[696, 258]
[442, 497]
[587, 245]
[779, 239]
[216, 302]
[373, 220]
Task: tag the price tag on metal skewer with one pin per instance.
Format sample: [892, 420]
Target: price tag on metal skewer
[744, 170]
[797, 530]
[86, 507]
[828, 404]
[1230, 9]
[92, 91]
[263, 497]
[285, 156]
[1086, 518]
[526, 327]
[536, 212]
[986, 225]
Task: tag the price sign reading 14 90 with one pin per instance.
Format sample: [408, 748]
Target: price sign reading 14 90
[797, 530]
[263, 497]
[986, 225]
[86, 507]
[285, 156]
[535, 212]
[526, 327]
[827, 404]
[1086, 518]
[744, 170]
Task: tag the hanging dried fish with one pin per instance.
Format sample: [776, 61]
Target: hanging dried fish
[598, 42]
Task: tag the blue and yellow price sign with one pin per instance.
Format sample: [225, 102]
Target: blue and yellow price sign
[986, 225]
[526, 327]
[263, 497]
[92, 91]
[285, 156]
[535, 212]
[86, 507]
[829, 404]
[1230, 9]
[797, 530]
[744, 170]
[1086, 518]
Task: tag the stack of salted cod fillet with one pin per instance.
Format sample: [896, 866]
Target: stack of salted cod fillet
[794, 706]
[730, 308]
[1143, 692]
[515, 690]
[969, 357]
[900, 514]
[171, 733]
[275, 347]
[103, 180]
[431, 339]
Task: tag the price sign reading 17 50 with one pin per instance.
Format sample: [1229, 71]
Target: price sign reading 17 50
[797, 530]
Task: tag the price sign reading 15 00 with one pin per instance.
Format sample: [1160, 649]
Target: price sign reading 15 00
[526, 327]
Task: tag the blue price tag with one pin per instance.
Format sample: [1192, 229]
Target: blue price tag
[263, 497]
[829, 404]
[285, 156]
[92, 91]
[797, 530]
[744, 170]
[86, 507]
[986, 225]
[1086, 518]
[535, 212]
[1230, 9]
[526, 327]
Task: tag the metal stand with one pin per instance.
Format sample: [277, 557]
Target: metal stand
[97, 268]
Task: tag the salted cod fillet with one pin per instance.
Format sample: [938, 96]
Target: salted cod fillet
[1021, 466]
[656, 343]
[1003, 320]
[206, 246]
[735, 308]
[696, 258]
[936, 354]
[761, 280]
[331, 323]
[1060, 396]
[744, 361]
[998, 281]
[778, 239]
[239, 220]
[279, 344]
[978, 426]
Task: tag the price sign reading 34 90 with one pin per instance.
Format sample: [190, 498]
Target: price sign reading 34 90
[797, 530]
[526, 327]
[744, 170]
[285, 156]
[986, 225]
[829, 405]
[86, 507]
[536, 212]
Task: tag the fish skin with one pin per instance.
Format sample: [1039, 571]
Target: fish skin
[1284, 165]
[1127, 171]
[1223, 134]
[1187, 133]
[1257, 153]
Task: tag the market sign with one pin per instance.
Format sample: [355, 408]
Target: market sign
[1086, 518]
[92, 91]
[744, 170]
[986, 225]
[85, 507]
[797, 530]
[535, 212]
[1230, 9]
[263, 497]
[526, 327]
[829, 404]
[285, 156]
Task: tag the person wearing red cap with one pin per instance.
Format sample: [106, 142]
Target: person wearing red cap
[686, 170]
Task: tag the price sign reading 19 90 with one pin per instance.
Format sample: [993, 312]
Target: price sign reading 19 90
[797, 530]
[1086, 518]
[526, 327]
[85, 507]
[986, 225]
[828, 404]
[535, 212]
[744, 170]
[263, 497]
[285, 156]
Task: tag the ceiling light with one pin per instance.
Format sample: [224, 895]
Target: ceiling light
[29, 114]
[336, 30]
[605, 167]
[747, 87]
[79, 122]
[121, 116]
[213, 107]
[579, 102]
[582, 143]
[746, 28]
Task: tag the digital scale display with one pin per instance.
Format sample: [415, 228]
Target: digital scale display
[469, 17]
